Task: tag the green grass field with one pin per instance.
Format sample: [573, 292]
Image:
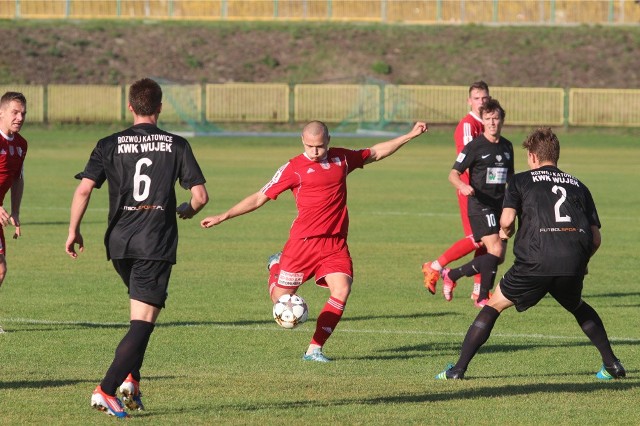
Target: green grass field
[217, 357]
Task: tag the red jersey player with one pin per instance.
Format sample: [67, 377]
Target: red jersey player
[468, 128]
[13, 149]
[317, 244]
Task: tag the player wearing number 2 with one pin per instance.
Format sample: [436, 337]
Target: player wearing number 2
[559, 231]
[141, 165]
[489, 160]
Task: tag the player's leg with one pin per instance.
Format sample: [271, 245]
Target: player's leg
[477, 278]
[339, 288]
[477, 335]
[3, 260]
[567, 292]
[335, 271]
[485, 265]
[485, 229]
[3, 271]
[457, 250]
[147, 282]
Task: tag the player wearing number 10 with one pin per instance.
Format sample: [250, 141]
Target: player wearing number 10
[559, 231]
[489, 160]
[141, 165]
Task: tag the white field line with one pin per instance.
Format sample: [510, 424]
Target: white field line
[342, 329]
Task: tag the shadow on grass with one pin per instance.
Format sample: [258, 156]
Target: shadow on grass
[443, 396]
[588, 297]
[39, 384]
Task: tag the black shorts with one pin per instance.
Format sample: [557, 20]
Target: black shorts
[488, 223]
[147, 280]
[527, 291]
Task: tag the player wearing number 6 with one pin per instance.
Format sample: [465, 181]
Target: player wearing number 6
[489, 160]
[141, 165]
[559, 231]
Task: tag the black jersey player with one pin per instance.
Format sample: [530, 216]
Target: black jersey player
[489, 160]
[559, 231]
[141, 165]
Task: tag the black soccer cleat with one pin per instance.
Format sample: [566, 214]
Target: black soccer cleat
[609, 372]
[450, 374]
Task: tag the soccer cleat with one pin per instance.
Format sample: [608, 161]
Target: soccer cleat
[431, 277]
[273, 259]
[1, 330]
[615, 371]
[448, 286]
[481, 303]
[131, 395]
[450, 374]
[107, 403]
[316, 355]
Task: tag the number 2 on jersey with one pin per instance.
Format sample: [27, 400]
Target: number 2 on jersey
[556, 207]
[141, 180]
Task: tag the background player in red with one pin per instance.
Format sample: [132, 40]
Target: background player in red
[468, 128]
[13, 149]
[141, 165]
[558, 232]
[317, 244]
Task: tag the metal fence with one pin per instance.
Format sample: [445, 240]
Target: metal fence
[213, 104]
[388, 11]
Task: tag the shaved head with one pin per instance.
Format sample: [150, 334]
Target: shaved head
[315, 128]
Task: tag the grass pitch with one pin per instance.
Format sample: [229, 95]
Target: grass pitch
[217, 357]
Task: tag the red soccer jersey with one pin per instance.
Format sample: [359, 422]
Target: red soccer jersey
[468, 128]
[320, 191]
[12, 153]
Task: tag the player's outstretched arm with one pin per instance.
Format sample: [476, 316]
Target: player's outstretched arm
[199, 199]
[384, 149]
[249, 204]
[78, 207]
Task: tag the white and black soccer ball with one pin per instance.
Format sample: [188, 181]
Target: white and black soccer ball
[290, 311]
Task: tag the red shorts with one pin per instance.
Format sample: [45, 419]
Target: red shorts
[315, 256]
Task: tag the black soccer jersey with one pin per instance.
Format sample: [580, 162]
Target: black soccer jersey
[555, 214]
[489, 165]
[141, 166]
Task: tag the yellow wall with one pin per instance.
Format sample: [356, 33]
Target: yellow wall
[333, 103]
[391, 11]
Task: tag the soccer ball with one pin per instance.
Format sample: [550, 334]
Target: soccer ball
[290, 311]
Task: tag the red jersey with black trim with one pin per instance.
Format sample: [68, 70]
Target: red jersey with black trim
[319, 189]
[12, 153]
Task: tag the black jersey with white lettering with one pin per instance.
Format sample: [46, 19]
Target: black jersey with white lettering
[141, 166]
[490, 165]
[555, 214]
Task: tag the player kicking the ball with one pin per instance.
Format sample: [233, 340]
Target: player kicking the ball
[317, 244]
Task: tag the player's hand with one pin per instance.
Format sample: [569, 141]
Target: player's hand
[467, 190]
[72, 240]
[210, 221]
[13, 220]
[185, 211]
[4, 217]
[419, 128]
[503, 235]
